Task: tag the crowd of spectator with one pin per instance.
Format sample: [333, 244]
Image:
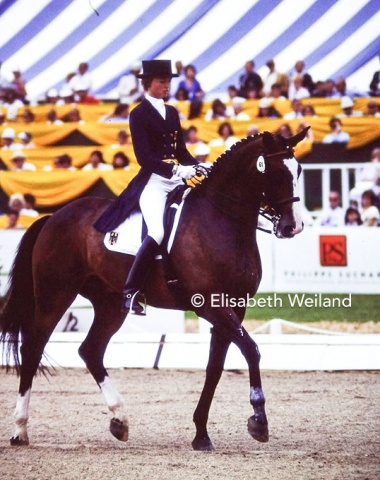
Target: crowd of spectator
[297, 86]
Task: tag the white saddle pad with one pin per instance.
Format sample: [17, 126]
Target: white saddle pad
[126, 238]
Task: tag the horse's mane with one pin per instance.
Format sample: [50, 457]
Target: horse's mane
[226, 158]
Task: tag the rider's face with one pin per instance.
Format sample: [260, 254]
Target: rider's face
[160, 87]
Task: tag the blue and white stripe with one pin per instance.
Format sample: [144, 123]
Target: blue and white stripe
[48, 39]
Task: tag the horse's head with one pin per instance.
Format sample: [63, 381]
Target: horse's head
[281, 171]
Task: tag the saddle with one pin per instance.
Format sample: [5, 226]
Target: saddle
[129, 235]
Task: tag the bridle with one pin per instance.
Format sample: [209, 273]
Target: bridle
[269, 213]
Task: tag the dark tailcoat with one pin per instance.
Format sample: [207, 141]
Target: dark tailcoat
[154, 140]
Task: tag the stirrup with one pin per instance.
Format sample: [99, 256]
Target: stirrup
[131, 303]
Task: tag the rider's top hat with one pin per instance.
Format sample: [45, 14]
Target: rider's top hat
[157, 68]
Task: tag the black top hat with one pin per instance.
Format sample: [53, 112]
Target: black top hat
[157, 69]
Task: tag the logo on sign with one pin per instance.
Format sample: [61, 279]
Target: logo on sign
[333, 250]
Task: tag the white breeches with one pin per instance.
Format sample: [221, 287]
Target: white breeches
[152, 203]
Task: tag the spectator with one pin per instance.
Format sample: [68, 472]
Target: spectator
[29, 206]
[16, 202]
[2, 119]
[296, 111]
[20, 164]
[267, 110]
[299, 70]
[342, 91]
[250, 81]
[367, 176]
[18, 84]
[369, 213]
[52, 96]
[130, 89]
[347, 105]
[52, 118]
[12, 104]
[285, 131]
[191, 84]
[83, 97]
[201, 153]
[195, 109]
[296, 90]
[181, 95]
[120, 161]
[238, 112]
[232, 93]
[218, 111]
[191, 136]
[82, 79]
[119, 115]
[374, 86]
[372, 109]
[337, 135]
[13, 217]
[329, 89]
[26, 140]
[122, 138]
[66, 96]
[74, 116]
[275, 93]
[96, 162]
[61, 162]
[333, 216]
[275, 77]
[28, 116]
[252, 130]
[226, 136]
[352, 217]
[8, 136]
[174, 84]
[307, 110]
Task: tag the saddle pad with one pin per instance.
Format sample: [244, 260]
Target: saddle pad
[127, 237]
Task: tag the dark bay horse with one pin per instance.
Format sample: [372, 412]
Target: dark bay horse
[214, 253]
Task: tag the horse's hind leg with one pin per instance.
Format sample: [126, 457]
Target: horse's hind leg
[108, 319]
[35, 337]
[218, 351]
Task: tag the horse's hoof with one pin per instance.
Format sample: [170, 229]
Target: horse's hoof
[257, 430]
[19, 442]
[119, 429]
[202, 444]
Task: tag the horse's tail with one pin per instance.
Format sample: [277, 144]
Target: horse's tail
[19, 303]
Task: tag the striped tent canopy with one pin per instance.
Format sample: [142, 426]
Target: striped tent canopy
[47, 39]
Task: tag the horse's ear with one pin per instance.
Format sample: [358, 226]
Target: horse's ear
[292, 141]
[269, 141]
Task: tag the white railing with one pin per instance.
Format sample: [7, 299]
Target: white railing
[326, 168]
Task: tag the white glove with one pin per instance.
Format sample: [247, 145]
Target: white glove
[185, 171]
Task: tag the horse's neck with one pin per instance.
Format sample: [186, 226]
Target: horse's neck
[236, 189]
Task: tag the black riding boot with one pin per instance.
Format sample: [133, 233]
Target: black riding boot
[137, 277]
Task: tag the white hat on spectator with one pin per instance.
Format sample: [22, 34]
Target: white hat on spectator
[264, 103]
[202, 149]
[65, 92]
[8, 133]
[18, 154]
[23, 136]
[52, 93]
[16, 197]
[346, 102]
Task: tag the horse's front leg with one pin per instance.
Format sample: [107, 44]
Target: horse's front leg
[257, 423]
[218, 349]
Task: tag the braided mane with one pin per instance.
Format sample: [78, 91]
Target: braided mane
[226, 158]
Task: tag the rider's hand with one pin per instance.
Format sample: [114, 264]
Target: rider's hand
[185, 171]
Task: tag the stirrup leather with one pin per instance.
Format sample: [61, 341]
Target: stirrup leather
[132, 303]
